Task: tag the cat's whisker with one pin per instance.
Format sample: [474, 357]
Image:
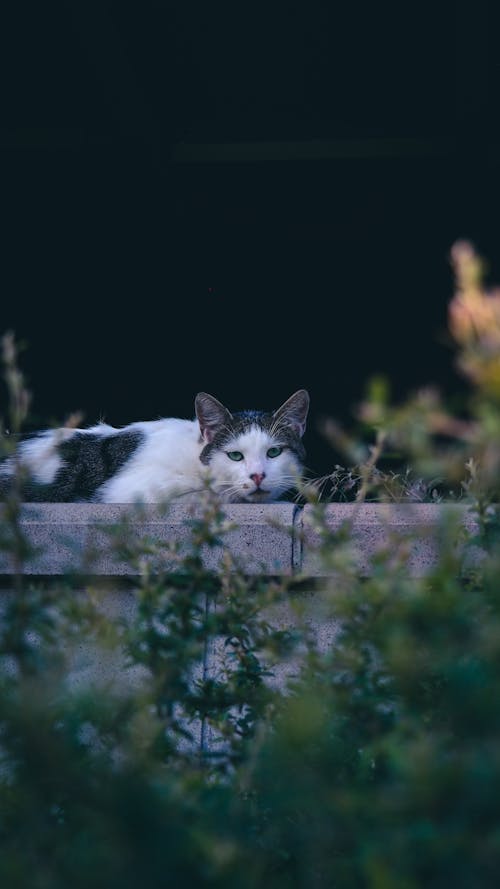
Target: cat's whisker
[227, 487]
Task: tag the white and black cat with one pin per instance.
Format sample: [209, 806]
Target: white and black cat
[249, 456]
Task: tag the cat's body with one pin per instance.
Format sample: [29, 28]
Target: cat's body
[250, 456]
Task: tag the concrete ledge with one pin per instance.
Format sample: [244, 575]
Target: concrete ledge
[277, 538]
[90, 538]
[410, 530]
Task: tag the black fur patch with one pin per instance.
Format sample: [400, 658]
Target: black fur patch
[242, 421]
[89, 460]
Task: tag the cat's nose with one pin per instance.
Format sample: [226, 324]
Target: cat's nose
[257, 478]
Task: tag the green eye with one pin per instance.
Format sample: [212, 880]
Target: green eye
[235, 455]
[274, 452]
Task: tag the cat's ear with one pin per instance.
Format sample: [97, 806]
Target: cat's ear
[211, 415]
[293, 412]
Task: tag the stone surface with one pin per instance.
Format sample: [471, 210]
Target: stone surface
[270, 539]
[84, 537]
[311, 615]
[262, 541]
[408, 531]
[276, 538]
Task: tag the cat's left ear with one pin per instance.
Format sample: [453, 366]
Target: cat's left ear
[293, 412]
[211, 415]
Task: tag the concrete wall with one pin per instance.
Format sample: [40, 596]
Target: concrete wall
[278, 538]
[275, 539]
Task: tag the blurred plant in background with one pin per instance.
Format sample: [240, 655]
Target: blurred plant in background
[438, 453]
[376, 764]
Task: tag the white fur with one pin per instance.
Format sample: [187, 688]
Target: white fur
[168, 465]
[100, 429]
[39, 456]
[232, 479]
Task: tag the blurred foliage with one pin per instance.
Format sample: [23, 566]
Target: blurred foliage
[376, 763]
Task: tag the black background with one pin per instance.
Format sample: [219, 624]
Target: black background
[241, 198]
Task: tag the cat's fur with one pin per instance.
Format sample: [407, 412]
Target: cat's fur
[155, 460]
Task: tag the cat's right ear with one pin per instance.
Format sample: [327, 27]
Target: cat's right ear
[293, 413]
[211, 415]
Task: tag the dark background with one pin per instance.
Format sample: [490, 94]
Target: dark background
[241, 198]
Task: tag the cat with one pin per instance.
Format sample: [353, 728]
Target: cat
[248, 456]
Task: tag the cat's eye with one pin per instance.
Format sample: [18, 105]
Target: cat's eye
[274, 452]
[235, 455]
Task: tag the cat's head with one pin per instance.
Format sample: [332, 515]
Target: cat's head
[253, 456]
